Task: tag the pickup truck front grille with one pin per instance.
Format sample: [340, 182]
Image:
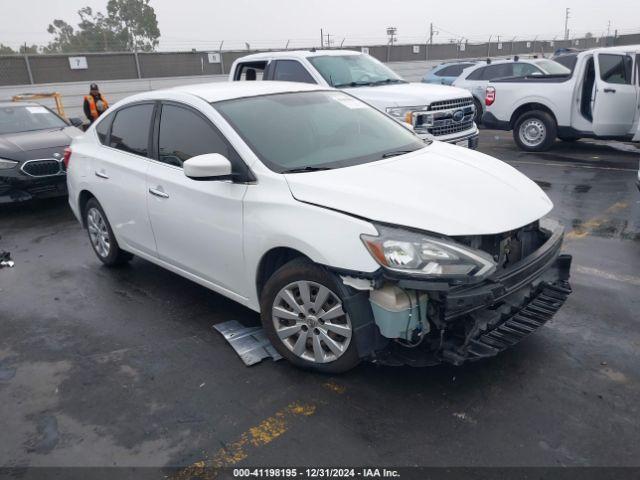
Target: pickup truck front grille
[454, 104]
[446, 117]
[42, 168]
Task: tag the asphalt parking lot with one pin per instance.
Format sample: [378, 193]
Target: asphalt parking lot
[104, 367]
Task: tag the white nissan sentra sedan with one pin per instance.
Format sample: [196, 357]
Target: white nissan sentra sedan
[353, 238]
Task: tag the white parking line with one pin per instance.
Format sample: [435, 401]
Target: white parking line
[631, 280]
[573, 165]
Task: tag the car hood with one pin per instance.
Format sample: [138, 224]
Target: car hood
[442, 188]
[13, 144]
[406, 94]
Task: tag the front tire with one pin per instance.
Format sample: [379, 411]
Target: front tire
[535, 131]
[101, 236]
[303, 313]
[479, 112]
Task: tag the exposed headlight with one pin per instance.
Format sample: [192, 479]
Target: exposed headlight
[416, 253]
[7, 164]
[404, 114]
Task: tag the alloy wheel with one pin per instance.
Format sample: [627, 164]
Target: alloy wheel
[310, 321]
[98, 232]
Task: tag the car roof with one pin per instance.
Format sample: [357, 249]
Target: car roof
[18, 104]
[219, 91]
[299, 54]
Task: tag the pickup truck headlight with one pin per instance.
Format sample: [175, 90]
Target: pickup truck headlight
[417, 253]
[7, 164]
[404, 114]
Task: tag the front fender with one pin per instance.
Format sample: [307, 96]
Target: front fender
[273, 219]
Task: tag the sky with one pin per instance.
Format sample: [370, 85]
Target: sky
[204, 24]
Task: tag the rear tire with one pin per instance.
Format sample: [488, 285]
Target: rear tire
[479, 112]
[303, 313]
[535, 131]
[101, 236]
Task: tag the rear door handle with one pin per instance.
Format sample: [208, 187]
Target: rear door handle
[609, 90]
[102, 175]
[158, 193]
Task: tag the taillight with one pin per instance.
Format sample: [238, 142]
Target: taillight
[490, 96]
[66, 158]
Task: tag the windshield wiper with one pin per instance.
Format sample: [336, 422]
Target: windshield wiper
[388, 80]
[305, 169]
[352, 84]
[396, 153]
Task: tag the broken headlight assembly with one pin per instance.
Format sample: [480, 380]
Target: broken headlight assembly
[7, 164]
[427, 256]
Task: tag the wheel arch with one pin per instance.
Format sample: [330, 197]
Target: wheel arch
[529, 107]
[271, 261]
[83, 198]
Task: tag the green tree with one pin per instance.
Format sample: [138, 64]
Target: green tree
[128, 25]
[6, 50]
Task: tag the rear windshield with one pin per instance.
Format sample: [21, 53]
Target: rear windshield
[568, 61]
[15, 119]
[316, 130]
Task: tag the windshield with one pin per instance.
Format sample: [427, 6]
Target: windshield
[353, 70]
[568, 61]
[552, 67]
[15, 119]
[316, 130]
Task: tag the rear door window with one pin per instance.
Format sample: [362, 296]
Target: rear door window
[501, 70]
[291, 71]
[452, 70]
[615, 68]
[130, 130]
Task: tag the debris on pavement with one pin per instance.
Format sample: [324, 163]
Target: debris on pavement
[250, 343]
[5, 260]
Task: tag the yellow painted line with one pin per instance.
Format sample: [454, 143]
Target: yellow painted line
[571, 165]
[262, 434]
[630, 279]
[587, 227]
[334, 387]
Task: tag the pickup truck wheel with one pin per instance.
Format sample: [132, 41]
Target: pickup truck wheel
[305, 318]
[479, 112]
[535, 131]
[101, 236]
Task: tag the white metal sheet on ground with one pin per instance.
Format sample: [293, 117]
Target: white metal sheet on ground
[250, 343]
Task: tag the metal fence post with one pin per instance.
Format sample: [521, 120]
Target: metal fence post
[135, 56]
[28, 65]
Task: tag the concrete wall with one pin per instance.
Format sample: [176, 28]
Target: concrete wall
[111, 66]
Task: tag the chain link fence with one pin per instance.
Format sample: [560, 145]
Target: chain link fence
[43, 69]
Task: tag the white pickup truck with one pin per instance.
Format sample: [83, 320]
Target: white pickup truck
[599, 99]
[434, 111]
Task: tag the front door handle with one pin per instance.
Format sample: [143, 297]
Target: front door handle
[102, 175]
[158, 193]
[609, 90]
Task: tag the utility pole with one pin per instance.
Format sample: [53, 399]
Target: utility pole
[566, 23]
[489, 47]
[321, 39]
[609, 28]
[432, 32]
[329, 41]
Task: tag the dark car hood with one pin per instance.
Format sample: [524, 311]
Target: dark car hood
[12, 145]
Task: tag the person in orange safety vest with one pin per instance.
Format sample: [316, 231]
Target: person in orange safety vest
[94, 104]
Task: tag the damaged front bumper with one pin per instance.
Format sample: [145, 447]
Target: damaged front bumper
[472, 322]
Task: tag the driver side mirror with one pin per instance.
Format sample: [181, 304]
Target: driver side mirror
[210, 166]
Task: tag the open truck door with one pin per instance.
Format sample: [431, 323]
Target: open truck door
[616, 95]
